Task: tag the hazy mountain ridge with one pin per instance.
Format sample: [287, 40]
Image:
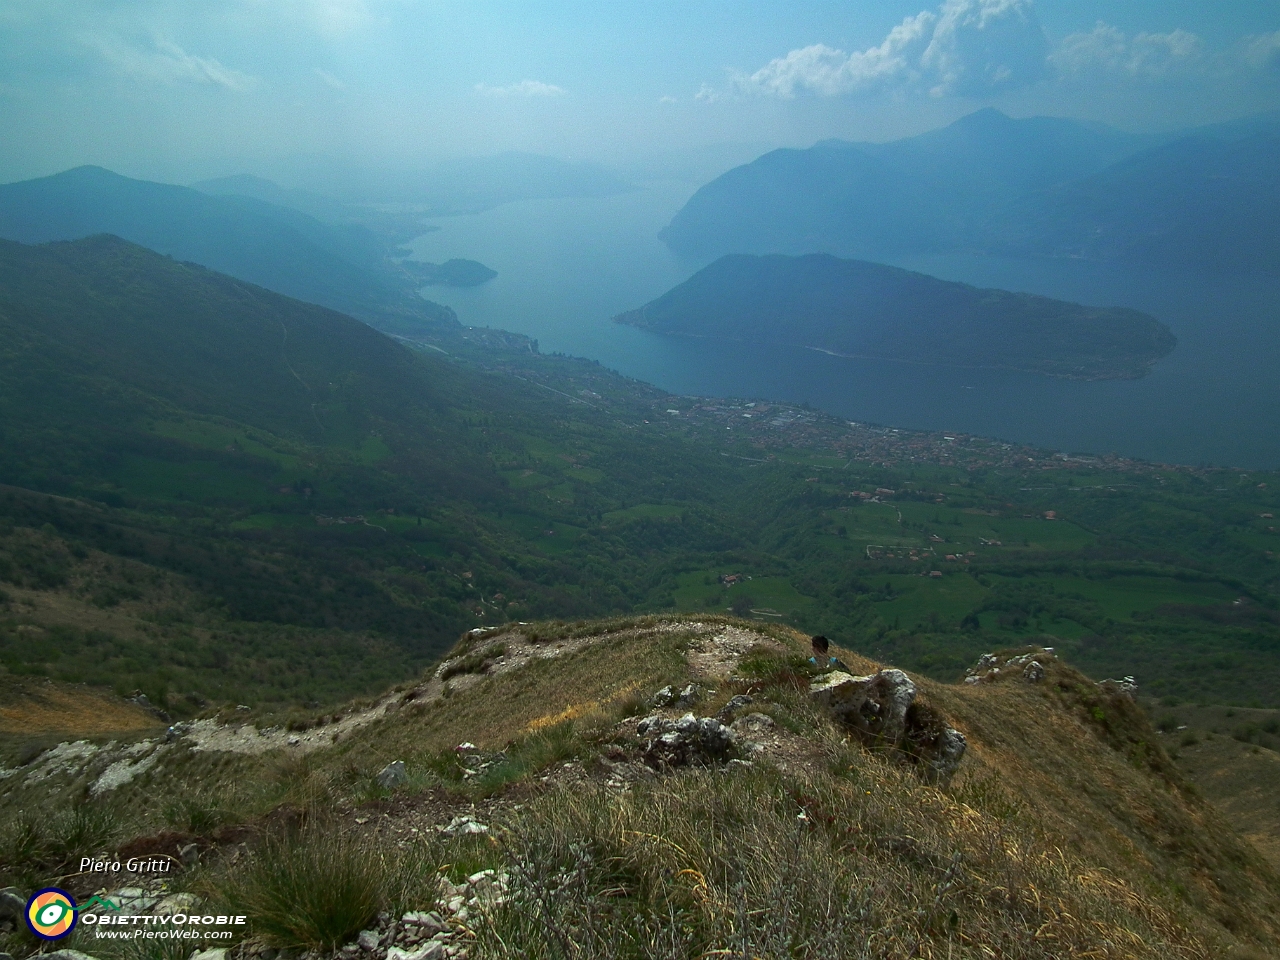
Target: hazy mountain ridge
[475, 184]
[342, 267]
[856, 308]
[1201, 201]
[1030, 187]
[359, 220]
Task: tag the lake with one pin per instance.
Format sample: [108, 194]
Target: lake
[566, 267]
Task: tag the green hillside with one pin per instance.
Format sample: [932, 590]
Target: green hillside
[216, 494]
[859, 309]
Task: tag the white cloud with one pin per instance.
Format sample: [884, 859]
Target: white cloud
[329, 80]
[525, 88]
[164, 61]
[980, 46]
[1263, 52]
[969, 47]
[823, 70]
[1105, 49]
[708, 94]
[667, 99]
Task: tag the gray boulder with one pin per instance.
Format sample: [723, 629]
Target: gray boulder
[690, 695]
[734, 705]
[676, 743]
[663, 698]
[13, 905]
[392, 775]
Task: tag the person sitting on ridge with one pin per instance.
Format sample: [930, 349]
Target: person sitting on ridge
[822, 655]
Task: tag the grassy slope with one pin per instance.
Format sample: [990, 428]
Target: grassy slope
[1064, 833]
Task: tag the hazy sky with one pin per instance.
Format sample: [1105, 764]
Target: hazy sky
[192, 88]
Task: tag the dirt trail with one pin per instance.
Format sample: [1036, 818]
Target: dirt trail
[713, 654]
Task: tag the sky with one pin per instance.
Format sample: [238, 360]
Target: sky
[180, 89]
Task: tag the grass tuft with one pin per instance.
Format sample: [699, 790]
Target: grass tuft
[311, 889]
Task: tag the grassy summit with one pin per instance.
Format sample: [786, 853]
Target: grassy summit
[859, 309]
[1066, 830]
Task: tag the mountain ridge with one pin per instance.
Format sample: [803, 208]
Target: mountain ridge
[343, 268]
[987, 183]
[856, 308]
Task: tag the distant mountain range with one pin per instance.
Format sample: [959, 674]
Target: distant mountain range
[390, 227]
[1031, 187]
[344, 266]
[856, 308]
[474, 184]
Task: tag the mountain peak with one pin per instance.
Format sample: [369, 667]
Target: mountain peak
[988, 118]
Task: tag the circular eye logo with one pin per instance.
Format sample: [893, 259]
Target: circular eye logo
[51, 913]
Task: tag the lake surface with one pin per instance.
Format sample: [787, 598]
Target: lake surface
[566, 267]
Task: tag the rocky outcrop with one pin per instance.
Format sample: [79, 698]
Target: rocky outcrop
[689, 740]
[876, 705]
[883, 711]
[995, 666]
[670, 697]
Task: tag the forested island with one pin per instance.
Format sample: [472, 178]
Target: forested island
[451, 273]
[855, 308]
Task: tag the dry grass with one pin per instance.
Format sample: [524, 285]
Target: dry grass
[499, 708]
[39, 708]
[1088, 767]
[318, 887]
[1243, 780]
[750, 863]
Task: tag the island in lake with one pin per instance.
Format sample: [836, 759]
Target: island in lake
[451, 273]
[859, 309]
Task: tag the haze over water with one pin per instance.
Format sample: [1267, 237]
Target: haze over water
[566, 267]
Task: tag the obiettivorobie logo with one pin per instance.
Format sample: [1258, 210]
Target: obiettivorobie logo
[52, 914]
